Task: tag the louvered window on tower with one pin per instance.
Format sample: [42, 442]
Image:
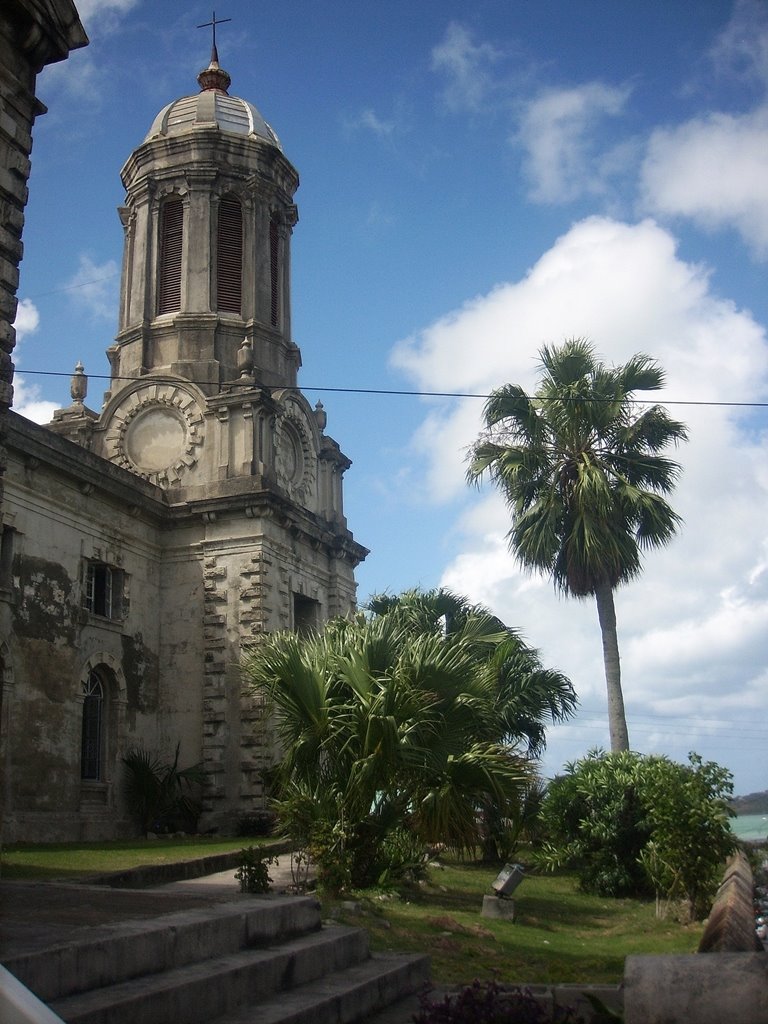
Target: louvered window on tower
[274, 263]
[171, 238]
[229, 257]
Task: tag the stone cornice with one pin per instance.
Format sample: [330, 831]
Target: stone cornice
[237, 498]
[87, 469]
[248, 157]
[49, 29]
[232, 499]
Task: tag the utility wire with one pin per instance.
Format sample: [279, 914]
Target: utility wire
[396, 392]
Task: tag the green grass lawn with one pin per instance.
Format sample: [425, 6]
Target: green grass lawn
[559, 935]
[70, 860]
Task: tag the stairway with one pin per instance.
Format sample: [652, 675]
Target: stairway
[261, 960]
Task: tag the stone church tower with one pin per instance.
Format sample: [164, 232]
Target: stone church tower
[217, 512]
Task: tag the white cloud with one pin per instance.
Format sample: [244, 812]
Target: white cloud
[103, 15]
[692, 628]
[82, 76]
[619, 284]
[559, 131]
[28, 401]
[713, 169]
[370, 121]
[27, 319]
[95, 286]
[466, 67]
[27, 398]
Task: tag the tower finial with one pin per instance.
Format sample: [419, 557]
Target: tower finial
[214, 78]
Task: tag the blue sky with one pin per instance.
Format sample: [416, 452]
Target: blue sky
[477, 180]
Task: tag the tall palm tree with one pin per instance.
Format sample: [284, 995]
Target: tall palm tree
[583, 476]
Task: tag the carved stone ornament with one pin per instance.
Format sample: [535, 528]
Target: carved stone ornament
[155, 432]
[295, 462]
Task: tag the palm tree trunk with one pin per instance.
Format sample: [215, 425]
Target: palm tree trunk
[617, 722]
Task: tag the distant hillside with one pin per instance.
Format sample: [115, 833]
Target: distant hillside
[753, 803]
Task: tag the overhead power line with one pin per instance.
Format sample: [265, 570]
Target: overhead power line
[395, 392]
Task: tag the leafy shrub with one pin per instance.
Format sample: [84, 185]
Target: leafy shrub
[637, 825]
[689, 820]
[253, 870]
[504, 834]
[490, 1003]
[404, 856]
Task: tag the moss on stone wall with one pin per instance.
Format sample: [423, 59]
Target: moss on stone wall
[141, 667]
[46, 609]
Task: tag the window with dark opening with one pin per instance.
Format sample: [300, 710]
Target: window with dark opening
[93, 717]
[6, 557]
[104, 587]
[306, 614]
[229, 257]
[171, 239]
[274, 267]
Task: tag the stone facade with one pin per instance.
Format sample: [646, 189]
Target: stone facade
[145, 545]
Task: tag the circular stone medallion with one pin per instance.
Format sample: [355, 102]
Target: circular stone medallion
[156, 431]
[155, 439]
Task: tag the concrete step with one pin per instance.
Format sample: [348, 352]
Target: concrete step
[207, 989]
[355, 995]
[135, 949]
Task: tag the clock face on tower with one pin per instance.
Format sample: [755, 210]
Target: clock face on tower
[155, 432]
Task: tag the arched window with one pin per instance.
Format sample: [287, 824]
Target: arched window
[229, 257]
[93, 726]
[171, 239]
[274, 270]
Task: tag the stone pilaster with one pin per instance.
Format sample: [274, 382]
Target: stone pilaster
[215, 724]
[256, 736]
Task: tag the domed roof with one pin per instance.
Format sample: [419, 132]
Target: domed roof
[212, 107]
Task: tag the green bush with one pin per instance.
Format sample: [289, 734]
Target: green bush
[253, 870]
[638, 825]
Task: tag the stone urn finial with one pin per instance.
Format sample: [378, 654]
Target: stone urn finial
[321, 416]
[245, 360]
[78, 388]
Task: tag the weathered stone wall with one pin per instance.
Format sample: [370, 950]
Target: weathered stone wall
[730, 927]
[59, 522]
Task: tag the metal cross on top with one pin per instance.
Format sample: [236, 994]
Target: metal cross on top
[212, 24]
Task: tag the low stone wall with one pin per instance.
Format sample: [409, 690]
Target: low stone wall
[729, 984]
[179, 871]
[730, 927]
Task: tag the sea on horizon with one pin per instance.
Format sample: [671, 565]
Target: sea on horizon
[750, 826]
